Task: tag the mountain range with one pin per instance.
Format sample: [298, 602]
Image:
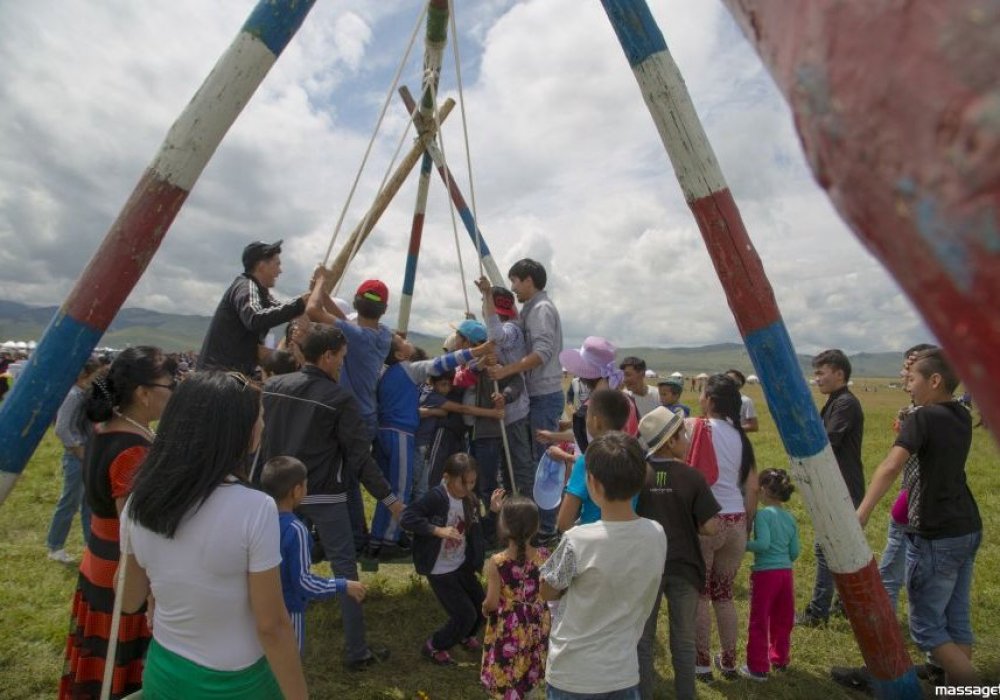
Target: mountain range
[178, 332]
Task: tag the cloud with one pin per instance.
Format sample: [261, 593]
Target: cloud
[568, 167]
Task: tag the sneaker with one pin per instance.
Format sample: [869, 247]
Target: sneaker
[704, 674]
[779, 669]
[375, 655]
[441, 658]
[807, 619]
[61, 556]
[472, 644]
[727, 673]
[752, 675]
[392, 552]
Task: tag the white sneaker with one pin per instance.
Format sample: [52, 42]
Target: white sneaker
[61, 556]
[747, 673]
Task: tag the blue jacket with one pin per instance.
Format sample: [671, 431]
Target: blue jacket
[431, 511]
[298, 584]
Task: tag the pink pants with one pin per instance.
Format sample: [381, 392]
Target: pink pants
[772, 614]
[723, 553]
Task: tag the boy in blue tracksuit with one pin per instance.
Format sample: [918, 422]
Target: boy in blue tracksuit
[284, 479]
[398, 420]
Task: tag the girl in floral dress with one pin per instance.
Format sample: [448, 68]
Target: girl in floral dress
[517, 619]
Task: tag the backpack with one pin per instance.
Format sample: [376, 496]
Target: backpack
[701, 454]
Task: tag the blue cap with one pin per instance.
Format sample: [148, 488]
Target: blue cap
[473, 331]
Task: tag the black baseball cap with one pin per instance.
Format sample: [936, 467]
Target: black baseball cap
[257, 251]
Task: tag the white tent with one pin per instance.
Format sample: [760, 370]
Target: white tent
[677, 375]
[753, 379]
[650, 374]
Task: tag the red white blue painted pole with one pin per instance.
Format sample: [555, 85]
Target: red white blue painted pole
[903, 134]
[753, 304]
[136, 234]
[434, 43]
[468, 220]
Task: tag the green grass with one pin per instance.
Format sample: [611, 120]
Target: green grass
[400, 610]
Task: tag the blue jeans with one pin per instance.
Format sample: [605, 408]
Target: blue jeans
[938, 583]
[544, 412]
[823, 590]
[421, 470]
[624, 694]
[70, 501]
[333, 523]
[892, 568]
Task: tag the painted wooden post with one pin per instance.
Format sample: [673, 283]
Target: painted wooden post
[136, 234]
[434, 43]
[898, 110]
[425, 135]
[464, 212]
[752, 302]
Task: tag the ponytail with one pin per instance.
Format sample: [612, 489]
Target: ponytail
[724, 393]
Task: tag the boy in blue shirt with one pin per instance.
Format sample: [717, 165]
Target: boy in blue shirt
[284, 479]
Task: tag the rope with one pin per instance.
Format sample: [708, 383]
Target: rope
[378, 125]
[364, 222]
[465, 131]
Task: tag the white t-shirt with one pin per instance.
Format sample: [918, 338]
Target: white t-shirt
[199, 578]
[646, 403]
[611, 574]
[452, 554]
[729, 454]
[747, 411]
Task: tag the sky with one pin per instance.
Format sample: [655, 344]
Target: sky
[567, 166]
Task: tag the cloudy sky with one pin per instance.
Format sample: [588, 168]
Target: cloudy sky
[567, 166]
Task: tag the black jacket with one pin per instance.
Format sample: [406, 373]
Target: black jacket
[245, 314]
[431, 511]
[309, 416]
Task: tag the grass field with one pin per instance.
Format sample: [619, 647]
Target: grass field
[400, 610]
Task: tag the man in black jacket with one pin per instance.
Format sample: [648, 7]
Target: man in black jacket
[247, 311]
[845, 426]
[309, 416]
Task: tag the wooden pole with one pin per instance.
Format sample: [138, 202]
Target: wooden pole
[425, 131]
[897, 108]
[752, 302]
[437, 36]
[136, 234]
[489, 264]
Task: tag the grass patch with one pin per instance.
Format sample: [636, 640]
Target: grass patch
[401, 610]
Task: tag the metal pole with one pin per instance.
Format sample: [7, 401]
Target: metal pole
[136, 234]
[752, 302]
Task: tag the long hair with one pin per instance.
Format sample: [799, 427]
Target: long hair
[724, 393]
[457, 466]
[519, 520]
[204, 436]
[134, 367]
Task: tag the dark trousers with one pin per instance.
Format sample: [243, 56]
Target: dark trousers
[461, 595]
[489, 454]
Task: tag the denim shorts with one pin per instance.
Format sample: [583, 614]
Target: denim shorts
[939, 582]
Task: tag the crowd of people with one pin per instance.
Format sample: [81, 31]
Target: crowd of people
[255, 471]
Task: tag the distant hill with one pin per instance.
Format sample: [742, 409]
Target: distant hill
[176, 332]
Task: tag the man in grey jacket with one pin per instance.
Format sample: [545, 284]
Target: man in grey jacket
[542, 371]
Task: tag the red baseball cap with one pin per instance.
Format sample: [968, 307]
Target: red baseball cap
[374, 290]
[503, 300]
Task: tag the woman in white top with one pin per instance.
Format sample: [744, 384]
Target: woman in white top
[205, 546]
[735, 488]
